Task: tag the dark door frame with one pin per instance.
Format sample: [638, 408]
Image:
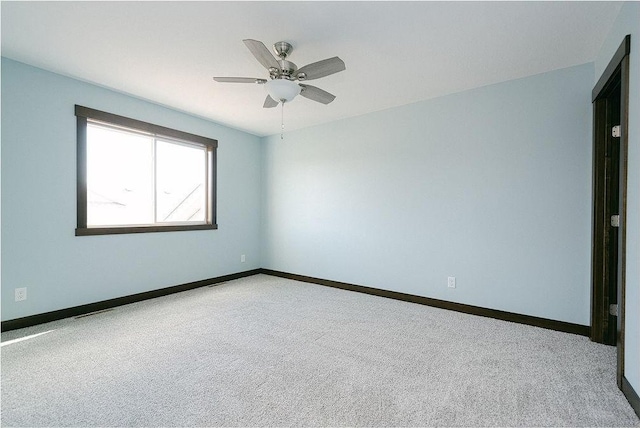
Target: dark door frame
[617, 72]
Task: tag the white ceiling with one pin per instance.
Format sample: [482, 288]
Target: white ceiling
[395, 52]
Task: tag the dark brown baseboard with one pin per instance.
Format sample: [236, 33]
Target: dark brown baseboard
[119, 301]
[443, 304]
[566, 327]
[631, 394]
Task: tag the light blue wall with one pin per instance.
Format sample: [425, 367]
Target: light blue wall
[628, 22]
[492, 186]
[39, 249]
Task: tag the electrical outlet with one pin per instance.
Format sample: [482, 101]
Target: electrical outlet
[243, 258]
[451, 282]
[21, 294]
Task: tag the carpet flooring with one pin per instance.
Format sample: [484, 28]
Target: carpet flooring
[266, 351]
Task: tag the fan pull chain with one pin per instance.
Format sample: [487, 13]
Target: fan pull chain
[282, 121]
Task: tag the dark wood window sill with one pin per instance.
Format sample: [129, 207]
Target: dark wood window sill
[89, 231]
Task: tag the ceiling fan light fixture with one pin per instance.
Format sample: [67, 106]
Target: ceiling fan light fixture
[282, 89]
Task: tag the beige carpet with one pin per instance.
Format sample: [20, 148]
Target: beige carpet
[266, 351]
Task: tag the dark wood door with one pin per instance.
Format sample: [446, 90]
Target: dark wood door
[606, 161]
[612, 206]
[610, 99]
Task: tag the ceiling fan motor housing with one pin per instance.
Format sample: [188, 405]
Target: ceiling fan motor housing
[287, 70]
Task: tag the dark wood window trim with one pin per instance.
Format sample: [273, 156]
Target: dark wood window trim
[85, 113]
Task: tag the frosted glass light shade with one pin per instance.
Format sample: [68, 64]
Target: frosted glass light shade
[282, 89]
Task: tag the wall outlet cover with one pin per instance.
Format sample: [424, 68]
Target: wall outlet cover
[21, 294]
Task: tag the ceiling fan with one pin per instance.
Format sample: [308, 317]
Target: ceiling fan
[282, 86]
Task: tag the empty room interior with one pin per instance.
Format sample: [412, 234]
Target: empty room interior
[320, 213]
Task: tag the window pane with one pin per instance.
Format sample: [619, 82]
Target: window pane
[180, 182]
[119, 177]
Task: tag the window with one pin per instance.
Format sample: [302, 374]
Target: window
[137, 177]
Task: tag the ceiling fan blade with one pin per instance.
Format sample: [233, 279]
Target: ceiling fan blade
[270, 102]
[262, 54]
[322, 68]
[239, 80]
[316, 94]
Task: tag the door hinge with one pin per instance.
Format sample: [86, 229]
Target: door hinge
[615, 220]
[613, 310]
[615, 131]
